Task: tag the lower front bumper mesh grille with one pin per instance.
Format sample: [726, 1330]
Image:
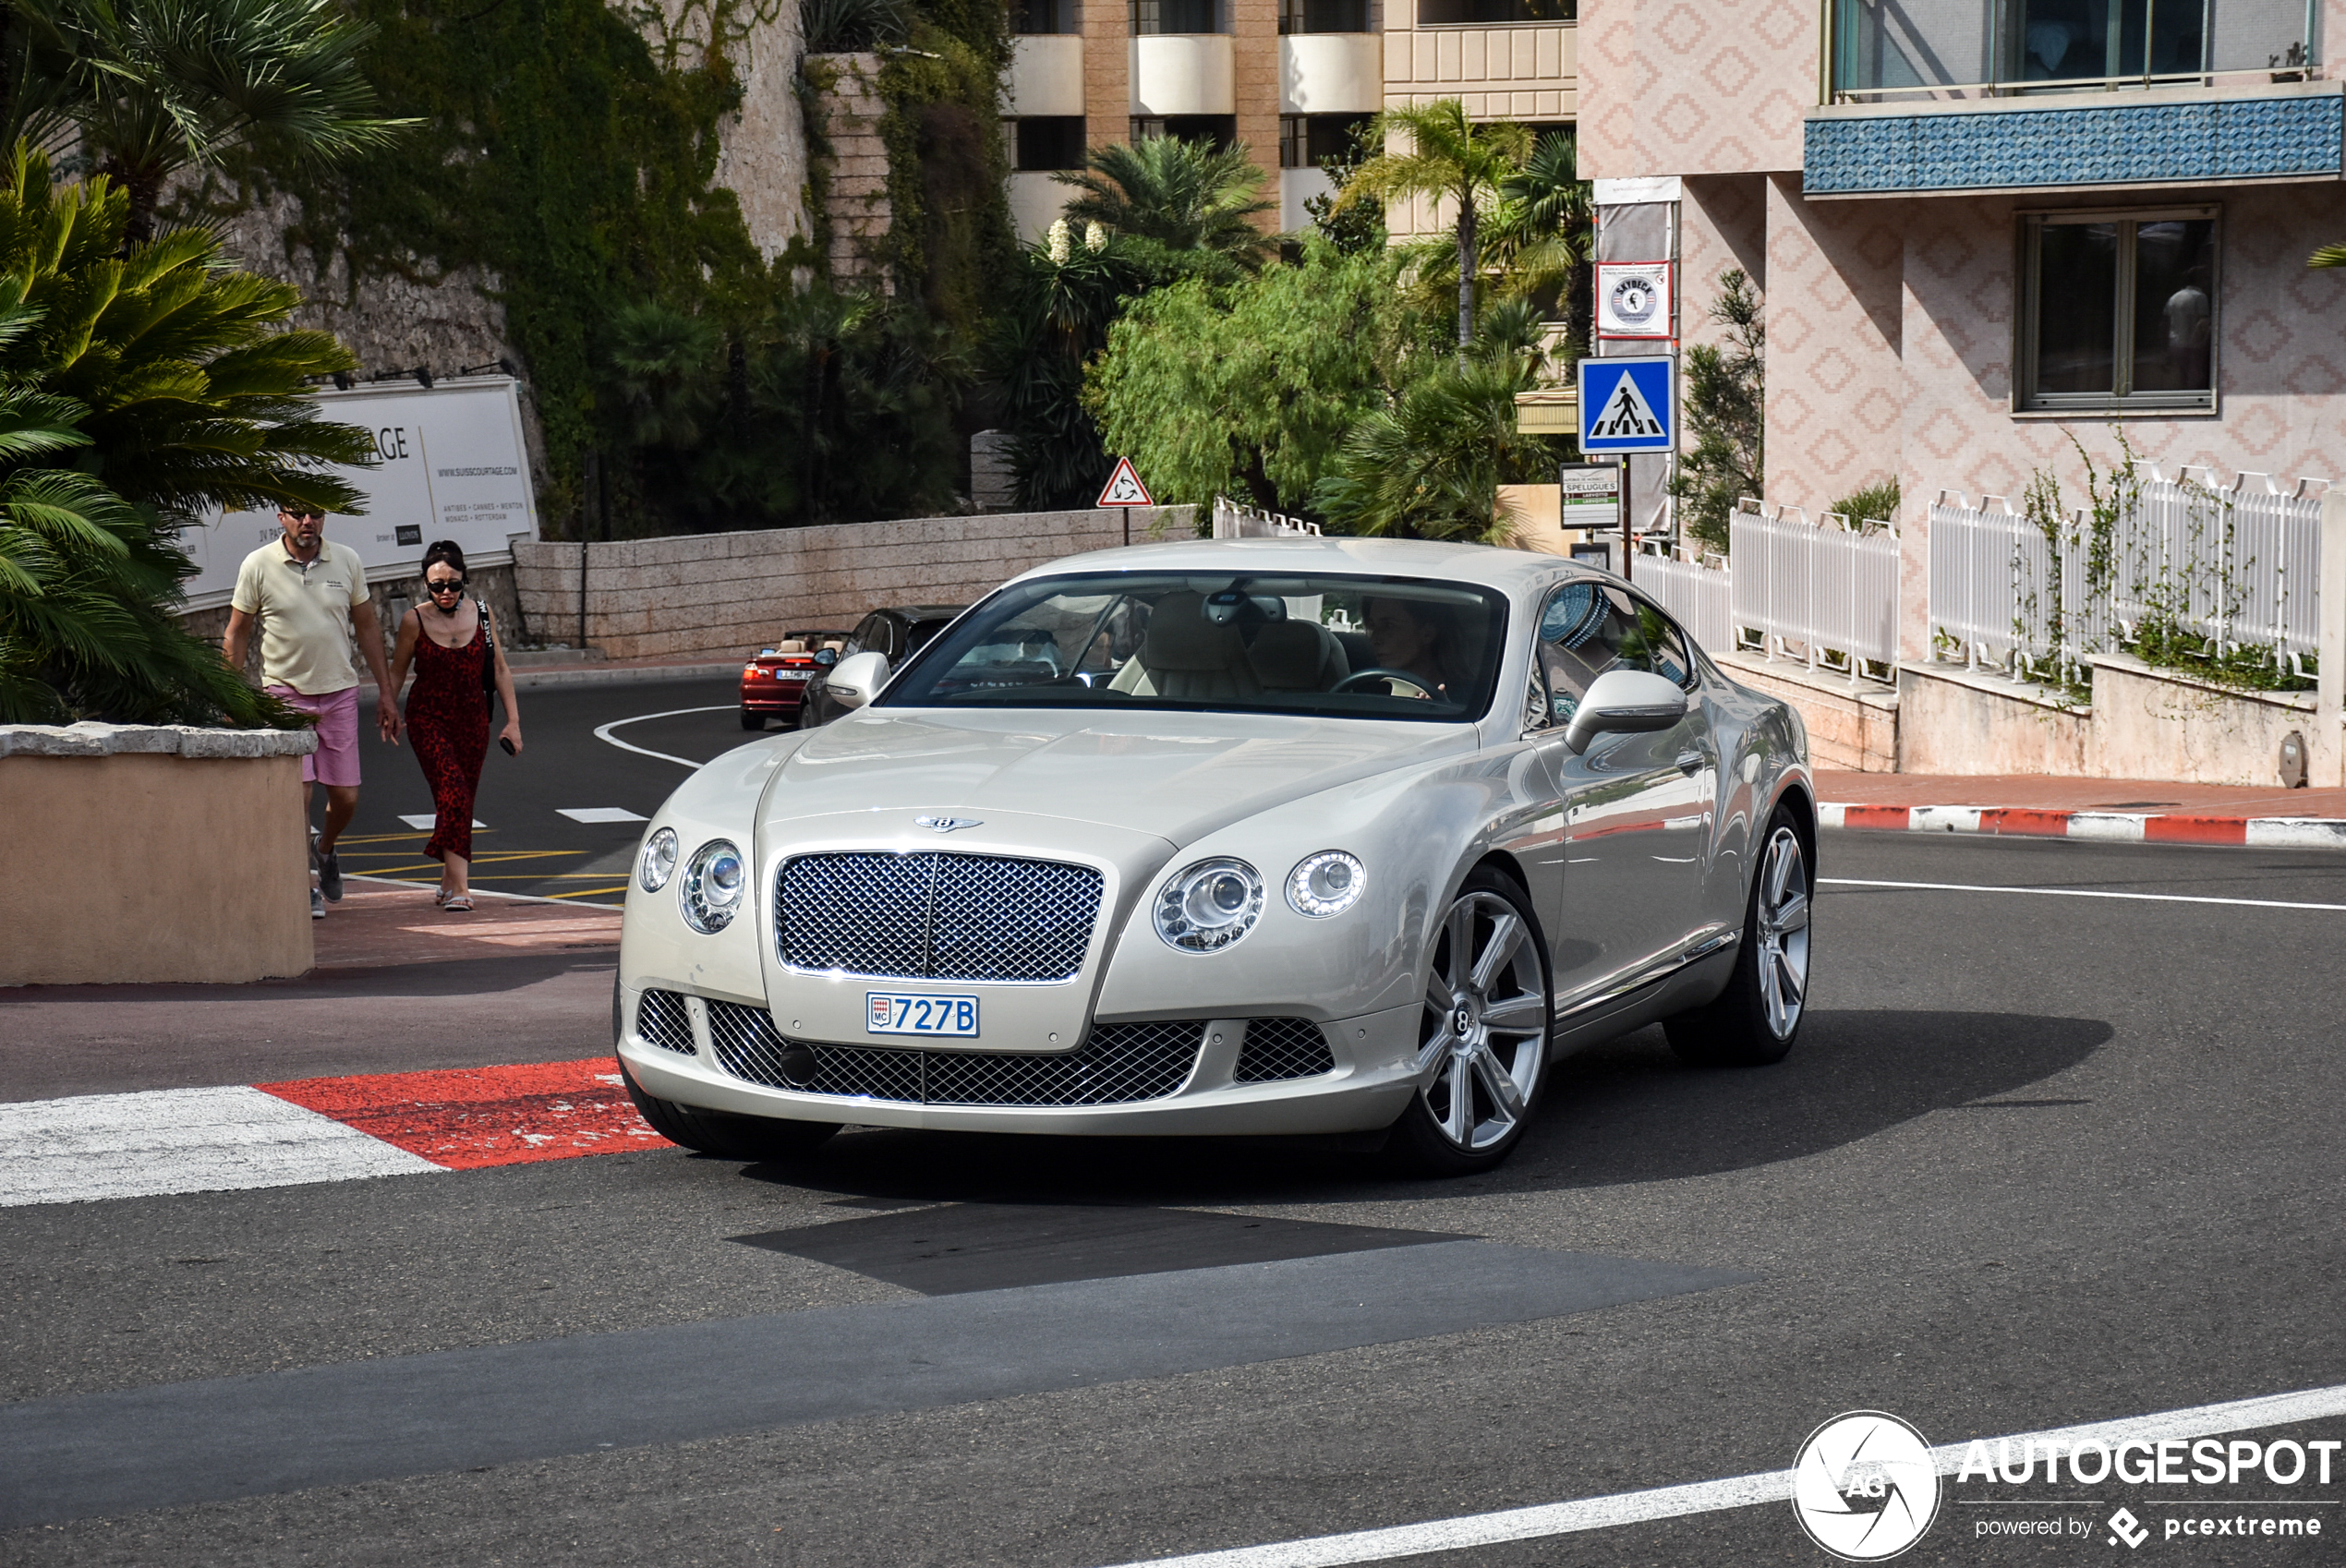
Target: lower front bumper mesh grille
[1283, 1048]
[1120, 1064]
[660, 1020]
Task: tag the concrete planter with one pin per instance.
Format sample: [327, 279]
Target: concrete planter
[2151, 722]
[147, 852]
[2145, 722]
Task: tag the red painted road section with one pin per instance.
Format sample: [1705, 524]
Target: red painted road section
[503, 1115]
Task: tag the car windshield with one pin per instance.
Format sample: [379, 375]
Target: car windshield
[1334, 646]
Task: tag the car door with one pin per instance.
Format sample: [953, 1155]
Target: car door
[1637, 808]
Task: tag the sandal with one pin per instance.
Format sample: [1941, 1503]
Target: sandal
[457, 903]
[439, 897]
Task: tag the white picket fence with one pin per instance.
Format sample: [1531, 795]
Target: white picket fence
[1824, 595]
[1233, 519]
[2239, 565]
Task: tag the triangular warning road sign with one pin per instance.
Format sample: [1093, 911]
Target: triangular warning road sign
[1124, 487]
[1627, 415]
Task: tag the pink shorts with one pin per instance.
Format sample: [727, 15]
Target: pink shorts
[335, 762]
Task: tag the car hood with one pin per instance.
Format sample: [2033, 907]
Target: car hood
[1177, 776]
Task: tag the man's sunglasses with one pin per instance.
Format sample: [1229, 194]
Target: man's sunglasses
[306, 516]
[437, 585]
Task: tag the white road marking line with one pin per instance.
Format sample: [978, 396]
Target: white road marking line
[600, 814]
[2075, 893]
[427, 821]
[168, 1140]
[1739, 1491]
[603, 733]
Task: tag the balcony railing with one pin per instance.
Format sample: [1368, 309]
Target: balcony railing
[1882, 50]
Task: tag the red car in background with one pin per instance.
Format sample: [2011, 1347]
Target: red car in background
[774, 683]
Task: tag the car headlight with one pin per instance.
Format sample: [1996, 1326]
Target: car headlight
[711, 891]
[1208, 906]
[657, 863]
[1327, 884]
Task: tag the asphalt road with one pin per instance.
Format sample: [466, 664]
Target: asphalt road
[523, 843]
[2038, 1160]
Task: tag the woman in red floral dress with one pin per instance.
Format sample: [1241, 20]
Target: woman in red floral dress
[448, 637]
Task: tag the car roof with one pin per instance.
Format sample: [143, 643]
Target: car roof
[923, 611]
[1481, 564]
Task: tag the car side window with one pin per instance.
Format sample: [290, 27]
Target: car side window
[1587, 628]
[867, 636]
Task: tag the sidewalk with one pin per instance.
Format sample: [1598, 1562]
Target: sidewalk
[2118, 810]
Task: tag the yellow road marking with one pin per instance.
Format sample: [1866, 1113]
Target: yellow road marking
[587, 892]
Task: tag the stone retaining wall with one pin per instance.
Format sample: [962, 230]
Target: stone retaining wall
[152, 852]
[725, 593]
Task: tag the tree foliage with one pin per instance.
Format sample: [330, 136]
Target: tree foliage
[1724, 397]
[1179, 195]
[830, 407]
[1429, 465]
[146, 89]
[1251, 388]
[138, 385]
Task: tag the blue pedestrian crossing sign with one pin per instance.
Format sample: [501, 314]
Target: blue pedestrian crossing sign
[1628, 405]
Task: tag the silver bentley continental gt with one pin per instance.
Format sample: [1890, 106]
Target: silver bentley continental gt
[1290, 836]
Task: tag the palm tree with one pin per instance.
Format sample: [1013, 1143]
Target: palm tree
[138, 385]
[1186, 196]
[1450, 158]
[1541, 235]
[149, 87]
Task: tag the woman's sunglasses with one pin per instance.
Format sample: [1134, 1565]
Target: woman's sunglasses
[437, 585]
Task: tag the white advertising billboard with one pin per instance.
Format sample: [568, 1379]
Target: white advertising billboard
[452, 467]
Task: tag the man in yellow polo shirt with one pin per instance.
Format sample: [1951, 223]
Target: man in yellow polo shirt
[310, 598]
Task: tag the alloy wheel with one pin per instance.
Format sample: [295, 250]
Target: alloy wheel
[1783, 920]
[1483, 1041]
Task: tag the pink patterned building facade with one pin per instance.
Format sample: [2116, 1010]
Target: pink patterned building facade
[1989, 231]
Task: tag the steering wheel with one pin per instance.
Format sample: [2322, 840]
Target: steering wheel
[1380, 673]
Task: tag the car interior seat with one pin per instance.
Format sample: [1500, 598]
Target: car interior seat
[1185, 658]
[1298, 656]
[791, 646]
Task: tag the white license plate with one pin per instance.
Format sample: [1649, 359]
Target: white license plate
[891, 1012]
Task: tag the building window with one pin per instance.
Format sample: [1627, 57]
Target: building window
[1048, 141]
[1880, 47]
[1151, 18]
[1323, 16]
[1031, 17]
[1305, 140]
[2118, 310]
[1485, 13]
[1221, 130]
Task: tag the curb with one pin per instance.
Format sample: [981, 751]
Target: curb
[2103, 826]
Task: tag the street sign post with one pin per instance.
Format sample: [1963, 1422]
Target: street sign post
[1629, 404]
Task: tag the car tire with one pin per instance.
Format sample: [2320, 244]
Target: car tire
[753, 720]
[1483, 1050]
[725, 1136]
[1755, 1019]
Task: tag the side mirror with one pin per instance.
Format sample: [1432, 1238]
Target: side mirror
[827, 657]
[1631, 702]
[858, 679]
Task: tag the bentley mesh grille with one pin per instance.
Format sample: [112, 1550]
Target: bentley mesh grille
[1121, 1062]
[661, 1020]
[935, 915]
[1281, 1048]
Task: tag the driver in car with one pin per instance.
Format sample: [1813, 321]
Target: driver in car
[1413, 638]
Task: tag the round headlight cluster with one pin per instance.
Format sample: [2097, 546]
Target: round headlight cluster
[1206, 907]
[657, 863]
[1327, 884]
[710, 893]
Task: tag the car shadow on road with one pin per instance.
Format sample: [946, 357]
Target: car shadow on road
[1623, 1113]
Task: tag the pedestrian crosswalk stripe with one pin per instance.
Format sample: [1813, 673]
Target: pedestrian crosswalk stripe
[427, 821]
[600, 814]
[221, 1140]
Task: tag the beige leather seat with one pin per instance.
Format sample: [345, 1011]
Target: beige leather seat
[1187, 659]
[1298, 656]
[791, 644]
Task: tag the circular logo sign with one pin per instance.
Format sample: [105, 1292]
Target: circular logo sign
[1864, 1486]
[1635, 300]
